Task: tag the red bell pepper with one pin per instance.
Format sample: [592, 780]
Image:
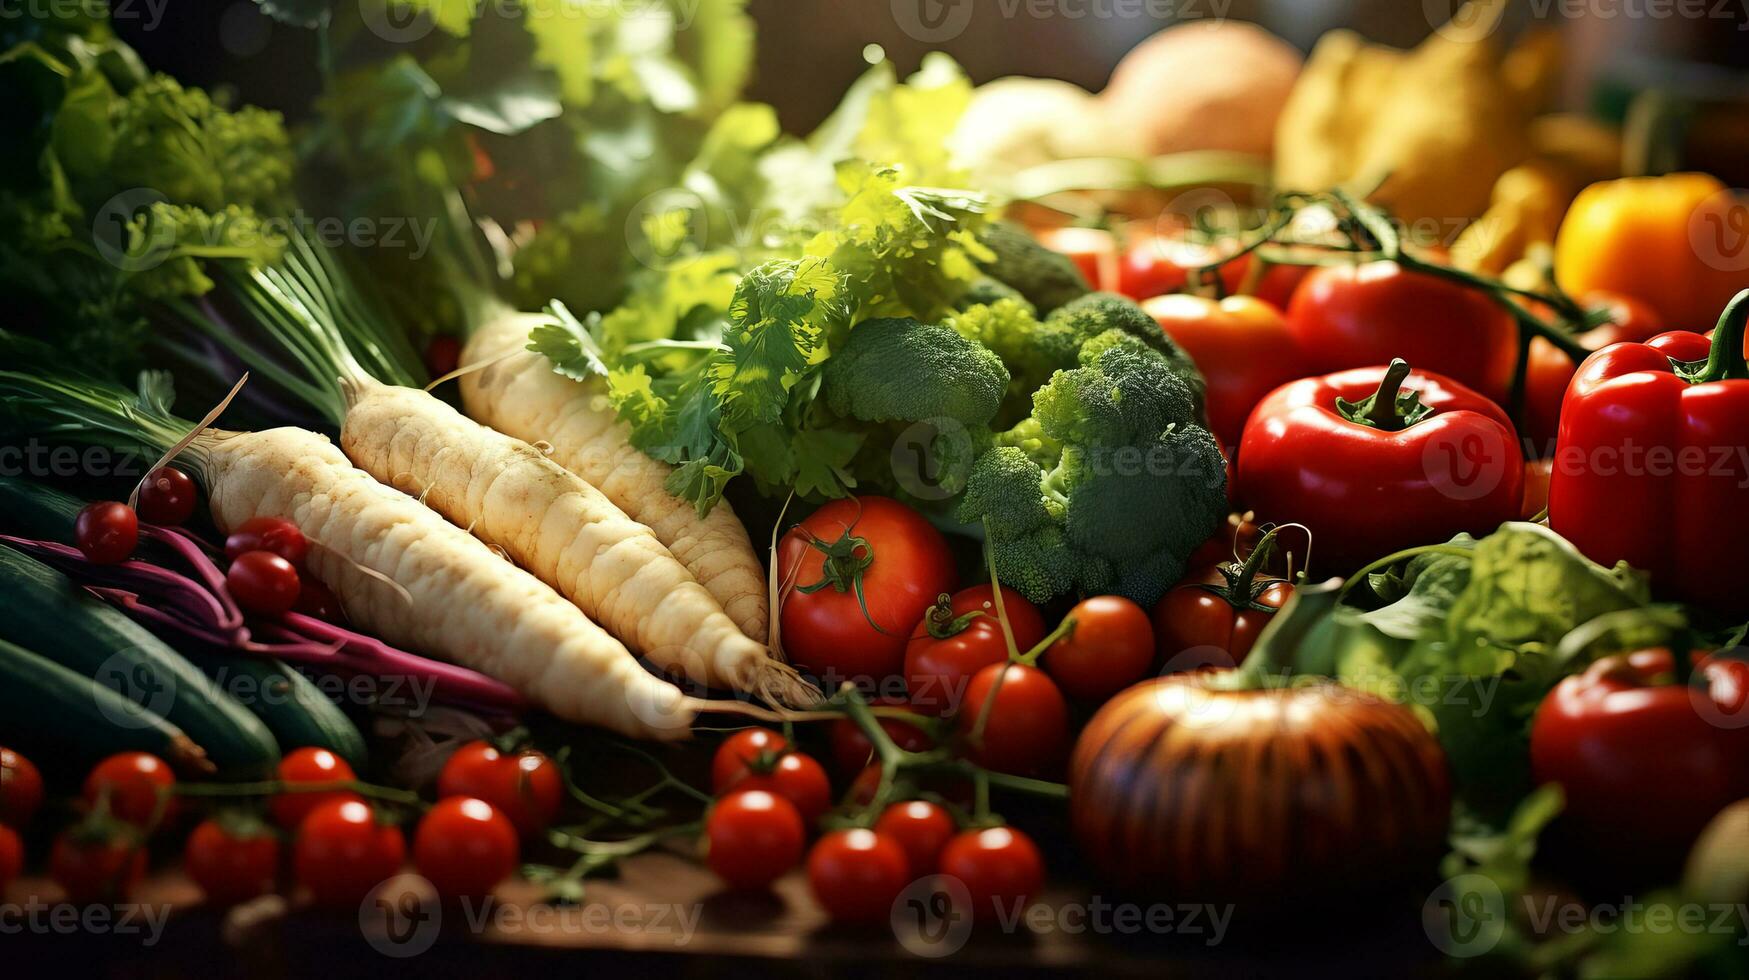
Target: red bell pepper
[1242, 346]
[1652, 461]
[1372, 467]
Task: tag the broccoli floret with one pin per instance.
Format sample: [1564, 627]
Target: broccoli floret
[901, 370]
[1097, 313]
[987, 290]
[1046, 278]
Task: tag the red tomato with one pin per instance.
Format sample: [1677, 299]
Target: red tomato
[1154, 265]
[233, 863]
[21, 788]
[263, 583]
[100, 868]
[167, 496]
[1537, 473]
[1000, 867]
[953, 788]
[1241, 344]
[1027, 729]
[960, 636]
[852, 751]
[795, 777]
[1549, 371]
[858, 874]
[749, 748]
[275, 534]
[1111, 647]
[106, 532]
[442, 355]
[920, 827]
[1279, 283]
[309, 765]
[464, 847]
[1093, 251]
[11, 856]
[1212, 618]
[752, 838]
[871, 549]
[342, 852]
[524, 786]
[315, 599]
[137, 786]
[1355, 316]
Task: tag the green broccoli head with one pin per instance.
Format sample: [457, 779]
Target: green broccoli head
[1045, 278]
[986, 290]
[901, 370]
[1100, 313]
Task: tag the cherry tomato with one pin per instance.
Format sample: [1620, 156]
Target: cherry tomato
[1537, 473]
[1092, 250]
[960, 636]
[443, 354]
[96, 867]
[232, 862]
[525, 786]
[752, 838]
[852, 751]
[1241, 345]
[464, 847]
[1233, 542]
[858, 874]
[133, 783]
[1154, 265]
[342, 852]
[11, 856]
[21, 788]
[920, 827]
[872, 547]
[749, 748]
[1000, 867]
[316, 599]
[309, 765]
[263, 583]
[1111, 647]
[106, 532]
[1027, 729]
[167, 496]
[955, 789]
[795, 777]
[1549, 371]
[275, 534]
[1212, 618]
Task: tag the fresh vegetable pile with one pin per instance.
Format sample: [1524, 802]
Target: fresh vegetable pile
[1254, 557]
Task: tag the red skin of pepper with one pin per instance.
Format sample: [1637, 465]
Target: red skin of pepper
[1365, 492]
[1653, 470]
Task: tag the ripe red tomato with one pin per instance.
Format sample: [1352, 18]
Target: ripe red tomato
[96, 867]
[342, 852]
[309, 765]
[1241, 345]
[106, 532]
[953, 788]
[524, 786]
[752, 838]
[1027, 729]
[871, 549]
[1549, 371]
[1112, 647]
[1212, 618]
[920, 827]
[21, 788]
[11, 856]
[795, 777]
[137, 786]
[858, 874]
[442, 355]
[464, 847]
[1154, 265]
[275, 534]
[1000, 867]
[960, 637]
[749, 748]
[232, 862]
[1354, 316]
[263, 583]
[167, 496]
[316, 599]
[1092, 250]
[1537, 474]
[852, 751]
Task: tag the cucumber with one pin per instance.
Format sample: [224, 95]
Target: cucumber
[48, 614]
[71, 718]
[34, 510]
[287, 702]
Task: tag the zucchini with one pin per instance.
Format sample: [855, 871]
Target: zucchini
[70, 717]
[287, 702]
[50, 615]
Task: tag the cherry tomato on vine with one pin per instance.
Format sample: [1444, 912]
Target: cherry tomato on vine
[316, 599]
[1094, 252]
[465, 847]
[752, 838]
[263, 583]
[137, 786]
[21, 788]
[1153, 265]
[857, 874]
[953, 788]
[232, 861]
[1110, 648]
[342, 852]
[11, 856]
[1026, 730]
[167, 496]
[275, 534]
[106, 532]
[525, 786]
[746, 749]
[852, 751]
[795, 777]
[1000, 867]
[920, 827]
[309, 765]
[851, 553]
[96, 865]
[959, 636]
[1212, 618]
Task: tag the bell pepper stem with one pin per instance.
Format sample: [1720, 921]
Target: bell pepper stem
[1725, 359]
[1380, 409]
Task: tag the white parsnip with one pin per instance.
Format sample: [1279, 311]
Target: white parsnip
[519, 394]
